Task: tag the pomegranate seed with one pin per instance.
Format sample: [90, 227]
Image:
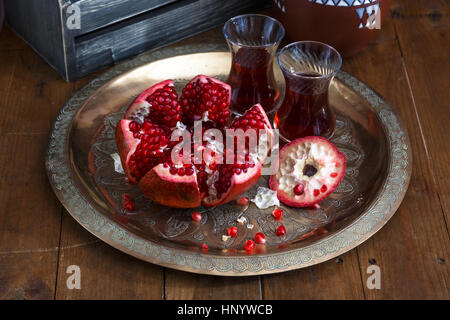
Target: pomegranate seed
[316, 192]
[126, 197]
[173, 171]
[196, 216]
[204, 247]
[134, 126]
[242, 201]
[129, 206]
[299, 189]
[232, 232]
[181, 172]
[324, 189]
[189, 171]
[260, 238]
[277, 214]
[316, 206]
[249, 245]
[281, 231]
[333, 175]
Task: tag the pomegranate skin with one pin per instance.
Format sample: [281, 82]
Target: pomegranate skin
[169, 190]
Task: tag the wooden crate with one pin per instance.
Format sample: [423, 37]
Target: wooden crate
[112, 30]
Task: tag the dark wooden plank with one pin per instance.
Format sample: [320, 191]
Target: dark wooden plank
[182, 285]
[9, 41]
[30, 215]
[423, 29]
[410, 247]
[9, 59]
[30, 218]
[106, 273]
[34, 96]
[335, 279]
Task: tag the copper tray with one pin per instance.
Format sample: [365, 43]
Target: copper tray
[82, 175]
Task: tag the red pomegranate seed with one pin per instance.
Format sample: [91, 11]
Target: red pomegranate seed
[249, 245]
[334, 175]
[129, 206]
[316, 192]
[242, 201]
[281, 231]
[260, 238]
[232, 232]
[324, 189]
[126, 197]
[181, 172]
[277, 214]
[316, 206]
[299, 189]
[204, 247]
[196, 216]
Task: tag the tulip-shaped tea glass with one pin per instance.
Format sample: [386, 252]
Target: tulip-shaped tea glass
[308, 69]
[253, 40]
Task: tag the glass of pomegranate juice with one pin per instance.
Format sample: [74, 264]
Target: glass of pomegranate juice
[253, 40]
[308, 68]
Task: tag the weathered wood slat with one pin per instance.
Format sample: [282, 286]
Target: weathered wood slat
[102, 13]
[155, 29]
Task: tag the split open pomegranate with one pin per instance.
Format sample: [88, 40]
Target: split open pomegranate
[310, 169]
[144, 142]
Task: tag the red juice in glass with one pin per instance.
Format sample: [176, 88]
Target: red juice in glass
[253, 40]
[308, 68]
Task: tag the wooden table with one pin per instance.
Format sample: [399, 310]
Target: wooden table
[408, 64]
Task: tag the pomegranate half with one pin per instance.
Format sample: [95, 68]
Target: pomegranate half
[310, 169]
[144, 142]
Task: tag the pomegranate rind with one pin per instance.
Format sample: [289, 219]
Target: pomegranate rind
[335, 160]
[170, 190]
[239, 184]
[126, 145]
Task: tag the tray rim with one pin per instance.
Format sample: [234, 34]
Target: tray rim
[367, 224]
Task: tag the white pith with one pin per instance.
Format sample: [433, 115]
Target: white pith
[142, 111]
[294, 160]
[213, 177]
[265, 198]
[181, 126]
[242, 220]
[117, 163]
